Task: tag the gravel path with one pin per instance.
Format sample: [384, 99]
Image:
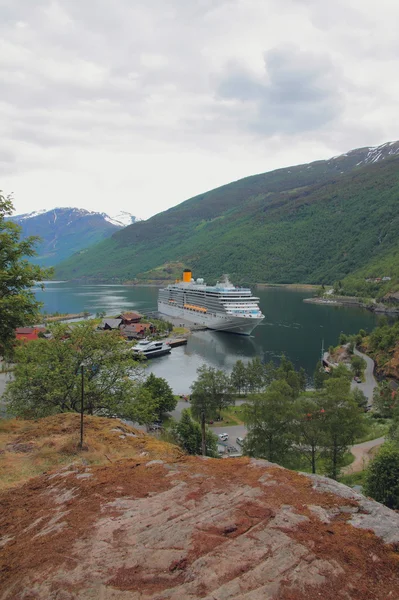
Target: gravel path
[362, 456]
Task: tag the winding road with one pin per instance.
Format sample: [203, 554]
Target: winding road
[367, 386]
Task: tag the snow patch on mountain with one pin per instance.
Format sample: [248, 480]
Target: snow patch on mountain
[376, 153]
[30, 215]
[122, 219]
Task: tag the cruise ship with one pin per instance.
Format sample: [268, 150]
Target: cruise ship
[223, 306]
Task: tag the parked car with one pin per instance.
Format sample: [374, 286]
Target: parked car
[357, 379]
[240, 441]
[223, 437]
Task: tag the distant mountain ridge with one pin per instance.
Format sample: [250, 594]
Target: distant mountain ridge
[65, 231]
[309, 223]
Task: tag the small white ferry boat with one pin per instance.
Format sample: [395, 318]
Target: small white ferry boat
[151, 349]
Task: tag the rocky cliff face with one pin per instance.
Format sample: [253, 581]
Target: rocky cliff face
[189, 528]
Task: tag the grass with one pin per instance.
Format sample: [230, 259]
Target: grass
[353, 478]
[298, 462]
[30, 448]
[180, 331]
[233, 415]
[348, 459]
[375, 428]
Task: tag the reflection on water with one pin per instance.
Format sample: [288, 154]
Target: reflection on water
[291, 327]
[66, 297]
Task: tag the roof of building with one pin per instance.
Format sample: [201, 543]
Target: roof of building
[24, 330]
[112, 323]
[131, 315]
[135, 327]
[28, 333]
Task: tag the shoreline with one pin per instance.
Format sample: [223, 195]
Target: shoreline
[350, 302]
[293, 286]
[353, 302]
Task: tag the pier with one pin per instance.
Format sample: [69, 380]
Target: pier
[174, 342]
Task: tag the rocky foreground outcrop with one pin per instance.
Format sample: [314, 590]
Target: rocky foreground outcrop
[194, 528]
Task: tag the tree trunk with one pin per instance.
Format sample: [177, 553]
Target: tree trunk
[334, 463]
[203, 433]
[313, 459]
[271, 454]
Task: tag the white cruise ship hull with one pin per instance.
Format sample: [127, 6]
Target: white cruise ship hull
[218, 321]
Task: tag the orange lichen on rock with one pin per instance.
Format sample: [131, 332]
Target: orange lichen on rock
[186, 528]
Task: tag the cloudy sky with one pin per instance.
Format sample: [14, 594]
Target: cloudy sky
[137, 105]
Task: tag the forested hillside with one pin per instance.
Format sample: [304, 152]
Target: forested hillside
[311, 223]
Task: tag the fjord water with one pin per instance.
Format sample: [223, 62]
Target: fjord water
[291, 327]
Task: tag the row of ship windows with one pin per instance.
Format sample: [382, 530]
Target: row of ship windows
[234, 297]
[191, 298]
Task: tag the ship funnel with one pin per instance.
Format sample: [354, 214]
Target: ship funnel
[187, 275]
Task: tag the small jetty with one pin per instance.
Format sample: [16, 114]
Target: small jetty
[66, 317]
[174, 342]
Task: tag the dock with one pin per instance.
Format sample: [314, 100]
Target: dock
[181, 322]
[174, 342]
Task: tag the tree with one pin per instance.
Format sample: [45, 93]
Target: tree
[48, 376]
[341, 372]
[342, 421]
[142, 408]
[269, 417]
[358, 364]
[18, 305]
[394, 428]
[238, 377]
[360, 398]
[302, 379]
[162, 393]
[210, 393]
[384, 399]
[286, 372]
[187, 434]
[382, 476]
[255, 374]
[269, 372]
[309, 429]
[319, 376]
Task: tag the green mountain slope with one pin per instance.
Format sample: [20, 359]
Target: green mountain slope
[311, 223]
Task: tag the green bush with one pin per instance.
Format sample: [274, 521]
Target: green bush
[382, 477]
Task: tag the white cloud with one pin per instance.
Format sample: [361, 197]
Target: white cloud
[136, 106]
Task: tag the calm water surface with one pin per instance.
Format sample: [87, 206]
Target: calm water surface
[291, 327]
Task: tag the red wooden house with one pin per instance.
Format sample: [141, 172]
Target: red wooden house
[28, 333]
[137, 330]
